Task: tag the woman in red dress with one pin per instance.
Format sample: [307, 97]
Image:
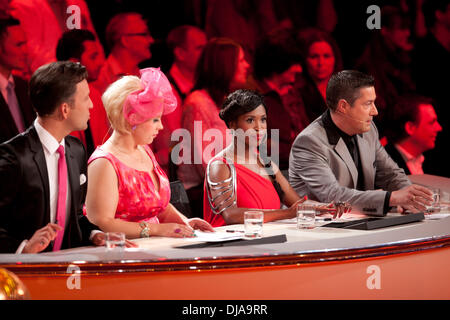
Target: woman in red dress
[127, 189]
[242, 177]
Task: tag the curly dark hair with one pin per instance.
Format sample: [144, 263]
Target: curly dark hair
[240, 102]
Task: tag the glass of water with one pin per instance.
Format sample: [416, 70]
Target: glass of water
[253, 223]
[306, 216]
[115, 244]
[435, 206]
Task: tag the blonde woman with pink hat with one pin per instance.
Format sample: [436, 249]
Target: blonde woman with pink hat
[127, 189]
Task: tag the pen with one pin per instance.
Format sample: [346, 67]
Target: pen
[234, 231]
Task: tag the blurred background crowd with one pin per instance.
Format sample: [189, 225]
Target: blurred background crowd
[285, 49]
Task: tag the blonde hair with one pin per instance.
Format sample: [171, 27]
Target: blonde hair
[114, 98]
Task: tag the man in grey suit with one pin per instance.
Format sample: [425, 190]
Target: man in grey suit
[338, 157]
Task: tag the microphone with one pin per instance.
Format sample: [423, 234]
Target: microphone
[345, 115]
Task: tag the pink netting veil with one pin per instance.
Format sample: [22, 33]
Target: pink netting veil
[156, 97]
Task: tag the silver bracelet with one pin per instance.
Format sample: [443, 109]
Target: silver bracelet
[145, 232]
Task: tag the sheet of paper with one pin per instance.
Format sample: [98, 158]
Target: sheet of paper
[437, 216]
[217, 236]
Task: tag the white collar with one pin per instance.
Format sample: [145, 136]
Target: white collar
[47, 140]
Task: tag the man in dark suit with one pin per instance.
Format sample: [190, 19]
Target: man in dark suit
[16, 112]
[33, 175]
[412, 130]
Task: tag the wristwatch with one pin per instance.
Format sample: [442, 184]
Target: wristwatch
[145, 232]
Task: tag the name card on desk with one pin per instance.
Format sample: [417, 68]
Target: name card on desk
[239, 242]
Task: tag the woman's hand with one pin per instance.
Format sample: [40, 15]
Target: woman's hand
[293, 208]
[174, 230]
[200, 224]
[337, 209]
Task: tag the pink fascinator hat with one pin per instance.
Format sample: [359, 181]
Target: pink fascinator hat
[156, 96]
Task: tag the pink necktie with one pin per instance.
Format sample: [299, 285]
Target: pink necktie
[62, 195]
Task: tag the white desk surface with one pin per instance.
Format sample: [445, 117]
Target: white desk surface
[320, 239]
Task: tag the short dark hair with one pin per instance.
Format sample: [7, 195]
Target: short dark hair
[275, 54]
[394, 18]
[177, 37]
[6, 22]
[240, 102]
[405, 110]
[345, 85]
[53, 84]
[71, 44]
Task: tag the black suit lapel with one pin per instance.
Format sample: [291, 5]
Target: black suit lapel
[21, 89]
[397, 157]
[41, 164]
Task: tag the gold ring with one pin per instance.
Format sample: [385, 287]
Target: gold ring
[414, 198]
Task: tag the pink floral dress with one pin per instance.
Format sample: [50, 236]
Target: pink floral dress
[138, 198]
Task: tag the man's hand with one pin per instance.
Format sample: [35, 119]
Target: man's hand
[414, 198]
[41, 238]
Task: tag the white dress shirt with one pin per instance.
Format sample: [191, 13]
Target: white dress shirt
[50, 146]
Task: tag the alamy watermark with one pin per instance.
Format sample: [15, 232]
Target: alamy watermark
[74, 280]
[74, 19]
[374, 280]
[374, 20]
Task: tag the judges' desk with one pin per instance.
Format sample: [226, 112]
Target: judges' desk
[410, 261]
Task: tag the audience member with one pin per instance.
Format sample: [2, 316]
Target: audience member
[44, 22]
[244, 21]
[431, 59]
[129, 40]
[45, 168]
[127, 190]
[242, 177]
[321, 58]
[221, 69]
[5, 9]
[413, 128]
[186, 44]
[304, 14]
[276, 68]
[339, 157]
[80, 46]
[16, 112]
[387, 58]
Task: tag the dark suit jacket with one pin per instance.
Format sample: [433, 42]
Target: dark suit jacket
[397, 157]
[24, 192]
[8, 128]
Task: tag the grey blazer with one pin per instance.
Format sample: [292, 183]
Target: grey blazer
[321, 167]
